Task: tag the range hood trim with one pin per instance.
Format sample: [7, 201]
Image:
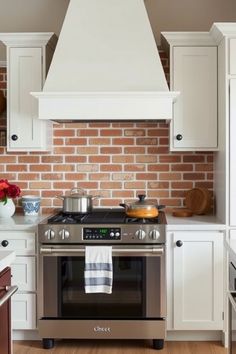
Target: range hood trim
[87, 106]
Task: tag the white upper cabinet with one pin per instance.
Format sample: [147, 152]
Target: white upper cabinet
[28, 56]
[193, 72]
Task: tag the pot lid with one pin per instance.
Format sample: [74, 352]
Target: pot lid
[142, 203]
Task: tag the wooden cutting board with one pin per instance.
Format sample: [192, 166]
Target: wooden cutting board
[198, 200]
[182, 212]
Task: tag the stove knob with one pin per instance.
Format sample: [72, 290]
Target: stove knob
[49, 234]
[154, 234]
[64, 234]
[140, 234]
[112, 234]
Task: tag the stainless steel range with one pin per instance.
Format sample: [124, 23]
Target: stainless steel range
[136, 308]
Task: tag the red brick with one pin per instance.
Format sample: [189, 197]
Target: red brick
[134, 150]
[158, 194]
[99, 176]
[99, 141]
[75, 176]
[135, 167]
[64, 132]
[193, 176]
[110, 132]
[75, 141]
[15, 167]
[158, 132]
[63, 185]
[63, 167]
[75, 159]
[135, 185]
[134, 132]
[123, 194]
[88, 150]
[52, 176]
[158, 185]
[122, 176]
[123, 159]
[182, 167]
[111, 185]
[169, 158]
[193, 158]
[146, 141]
[158, 167]
[123, 141]
[111, 150]
[146, 176]
[28, 159]
[7, 159]
[99, 159]
[204, 167]
[181, 185]
[111, 167]
[158, 150]
[52, 159]
[28, 176]
[39, 168]
[146, 158]
[88, 132]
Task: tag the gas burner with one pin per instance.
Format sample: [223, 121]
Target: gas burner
[63, 218]
[141, 220]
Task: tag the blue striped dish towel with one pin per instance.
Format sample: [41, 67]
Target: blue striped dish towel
[98, 273]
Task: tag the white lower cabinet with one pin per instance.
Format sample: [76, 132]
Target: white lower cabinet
[23, 275]
[24, 311]
[195, 280]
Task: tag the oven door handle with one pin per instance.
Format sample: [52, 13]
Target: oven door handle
[10, 290]
[153, 250]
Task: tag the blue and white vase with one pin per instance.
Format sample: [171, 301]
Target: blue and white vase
[7, 210]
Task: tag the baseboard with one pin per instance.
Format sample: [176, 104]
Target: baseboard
[194, 335]
[25, 335]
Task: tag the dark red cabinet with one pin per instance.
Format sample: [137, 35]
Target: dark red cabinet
[5, 313]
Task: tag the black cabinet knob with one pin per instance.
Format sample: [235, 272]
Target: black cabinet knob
[14, 137]
[4, 243]
[179, 137]
[179, 243]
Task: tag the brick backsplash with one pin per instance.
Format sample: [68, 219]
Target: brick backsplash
[114, 160]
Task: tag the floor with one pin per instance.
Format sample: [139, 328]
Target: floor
[117, 347]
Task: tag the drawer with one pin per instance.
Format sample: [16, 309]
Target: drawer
[232, 56]
[23, 273]
[23, 243]
[24, 311]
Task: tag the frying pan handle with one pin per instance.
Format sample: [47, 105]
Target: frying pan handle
[161, 206]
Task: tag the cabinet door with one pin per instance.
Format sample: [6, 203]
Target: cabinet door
[198, 280]
[23, 243]
[24, 273]
[232, 194]
[194, 74]
[24, 311]
[24, 76]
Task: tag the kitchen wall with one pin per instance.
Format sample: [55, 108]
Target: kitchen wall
[164, 15]
[115, 160]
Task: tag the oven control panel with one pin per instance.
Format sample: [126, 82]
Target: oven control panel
[101, 233]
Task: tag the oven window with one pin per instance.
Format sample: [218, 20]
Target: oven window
[136, 290]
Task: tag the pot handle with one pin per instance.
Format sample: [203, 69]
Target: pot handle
[75, 190]
[123, 205]
[161, 206]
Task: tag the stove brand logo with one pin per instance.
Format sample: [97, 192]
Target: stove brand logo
[102, 329]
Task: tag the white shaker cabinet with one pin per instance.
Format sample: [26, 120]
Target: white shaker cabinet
[23, 275]
[232, 194]
[28, 57]
[195, 280]
[193, 72]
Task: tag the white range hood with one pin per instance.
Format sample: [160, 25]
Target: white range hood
[106, 66]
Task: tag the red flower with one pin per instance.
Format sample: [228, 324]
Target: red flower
[8, 190]
[13, 191]
[4, 184]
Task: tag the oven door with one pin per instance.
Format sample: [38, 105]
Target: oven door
[138, 291]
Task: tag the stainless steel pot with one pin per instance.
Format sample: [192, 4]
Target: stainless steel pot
[78, 202]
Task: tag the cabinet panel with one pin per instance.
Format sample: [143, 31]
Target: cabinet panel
[24, 75]
[5, 314]
[232, 56]
[232, 157]
[23, 273]
[24, 311]
[197, 280]
[194, 74]
[22, 243]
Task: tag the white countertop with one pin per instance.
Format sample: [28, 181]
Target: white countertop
[197, 222]
[6, 258]
[21, 222]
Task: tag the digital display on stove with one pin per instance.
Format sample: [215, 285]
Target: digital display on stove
[101, 233]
